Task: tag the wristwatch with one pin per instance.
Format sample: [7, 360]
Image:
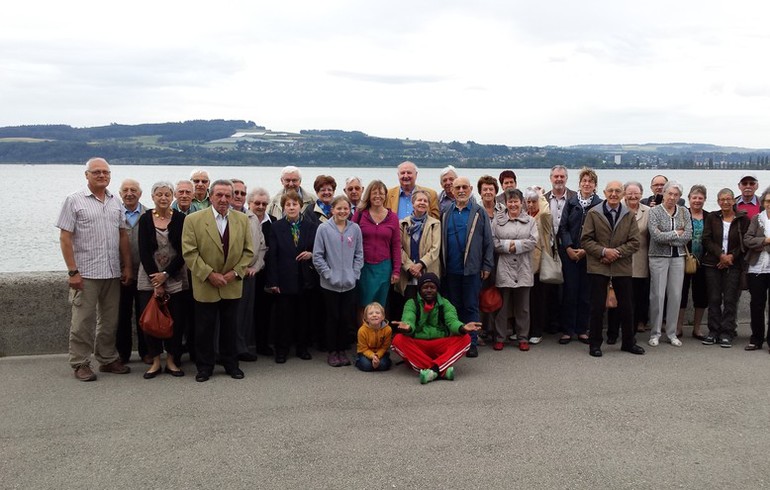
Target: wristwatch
[73, 272]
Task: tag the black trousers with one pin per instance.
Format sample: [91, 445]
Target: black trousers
[537, 308]
[759, 285]
[263, 312]
[641, 287]
[179, 308]
[340, 318]
[206, 315]
[293, 314]
[129, 308]
[624, 292]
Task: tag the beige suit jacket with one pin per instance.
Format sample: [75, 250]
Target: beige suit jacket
[391, 202]
[203, 253]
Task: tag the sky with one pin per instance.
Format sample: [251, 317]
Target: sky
[495, 72]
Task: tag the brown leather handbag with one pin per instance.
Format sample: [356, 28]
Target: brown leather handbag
[156, 319]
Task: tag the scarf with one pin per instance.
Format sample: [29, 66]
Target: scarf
[584, 203]
[295, 230]
[415, 231]
[326, 208]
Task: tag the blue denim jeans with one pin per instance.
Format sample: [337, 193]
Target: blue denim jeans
[365, 364]
[463, 292]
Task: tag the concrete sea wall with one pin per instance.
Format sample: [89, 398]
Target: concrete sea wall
[35, 313]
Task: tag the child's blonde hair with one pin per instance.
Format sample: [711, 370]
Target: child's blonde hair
[371, 305]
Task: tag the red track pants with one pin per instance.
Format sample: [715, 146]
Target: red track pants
[424, 354]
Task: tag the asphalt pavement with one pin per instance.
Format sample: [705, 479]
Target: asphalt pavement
[689, 417]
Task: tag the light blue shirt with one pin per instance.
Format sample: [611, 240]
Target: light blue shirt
[132, 216]
[404, 204]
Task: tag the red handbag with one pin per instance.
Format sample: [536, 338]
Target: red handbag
[156, 319]
[490, 299]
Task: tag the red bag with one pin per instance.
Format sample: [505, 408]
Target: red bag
[156, 320]
[490, 299]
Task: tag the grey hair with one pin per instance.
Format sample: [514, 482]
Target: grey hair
[513, 193]
[634, 183]
[560, 167]
[291, 169]
[446, 170]
[530, 194]
[698, 189]
[91, 160]
[185, 181]
[764, 195]
[257, 191]
[238, 181]
[161, 184]
[199, 171]
[409, 162]
[351, 179]
[419, 191]
[226, 182]
[724, 191]
[675, 184]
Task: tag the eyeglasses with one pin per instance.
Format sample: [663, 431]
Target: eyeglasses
[259, 203]
[200, 181]
[239, 193]
[727, 199]
[462, 187]
[99, 172]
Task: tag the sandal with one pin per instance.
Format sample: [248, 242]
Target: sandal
[583, 338]
[565, 339]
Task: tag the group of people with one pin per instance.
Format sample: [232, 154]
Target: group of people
[243, 274]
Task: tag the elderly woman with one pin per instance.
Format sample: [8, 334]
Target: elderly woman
[488, 189]
[576, 303]
[640, 275]
[670, 228]
[539, 210]
[382, 246]
[697, 198]
[723, 242]
[757, 241]
[420, 248]
[515, 237]
[291, 277]
[321, 212]
[163, 272]
[258, 199]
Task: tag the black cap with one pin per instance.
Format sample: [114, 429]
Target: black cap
[428, 277]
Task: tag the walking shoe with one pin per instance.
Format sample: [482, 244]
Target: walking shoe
[332, 359]
[449, 374]
[115, 367]
[709, 340]
[84, 373]
[612, 340]
[472, 352]
[523, 346]
[427, 375]
[342, 357]
[726, 343]
[675, 341]
[535, 340]
[498, 346]
[513, 338]
[653, 341]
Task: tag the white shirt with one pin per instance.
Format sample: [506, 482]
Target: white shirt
[221, 220]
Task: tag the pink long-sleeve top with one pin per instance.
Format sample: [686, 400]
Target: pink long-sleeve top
[381, 240]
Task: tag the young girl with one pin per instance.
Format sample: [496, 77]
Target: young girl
[338, 255]
[374, 340]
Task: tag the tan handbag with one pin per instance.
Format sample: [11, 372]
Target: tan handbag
[612, 300]
[691, 262]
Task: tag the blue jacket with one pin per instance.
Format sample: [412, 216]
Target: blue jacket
[571, 225]
[479, 249]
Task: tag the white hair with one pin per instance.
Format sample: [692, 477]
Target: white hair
[446, 170]
[199, 171]
[291, 169]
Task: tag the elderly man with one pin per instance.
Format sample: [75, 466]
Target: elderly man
[656, 186]
[216, 245]
[446, 197]
[94, 243]
[200, 180]
[354, 188]
[399, 198]
[239, 196]
[748, 200]
[291, 180]
[610, 237]
[130, 193]
[468, 254]
[183, 196]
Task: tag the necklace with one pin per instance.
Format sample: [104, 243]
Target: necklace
[170, 213]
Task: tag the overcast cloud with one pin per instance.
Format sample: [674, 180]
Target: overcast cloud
[508, 72]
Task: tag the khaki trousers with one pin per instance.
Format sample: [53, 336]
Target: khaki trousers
[94, 322]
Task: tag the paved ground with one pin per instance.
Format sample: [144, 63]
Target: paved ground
[694, 417]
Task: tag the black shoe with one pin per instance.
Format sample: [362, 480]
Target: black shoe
[178, 373]
[472, 352]
[304, 355]
[585, 340]
[595, 352]
[152, 374]
[709, 340]
[634, 349]
[565, 340]
[726, 343]
[235, 373]
[202, 376]
[280, 358]
[612, 340]
[247, 357]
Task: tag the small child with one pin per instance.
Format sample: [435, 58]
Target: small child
[374, 340]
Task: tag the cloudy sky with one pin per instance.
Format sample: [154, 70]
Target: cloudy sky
[507, 72]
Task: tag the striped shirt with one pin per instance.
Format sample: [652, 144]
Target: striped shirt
[95, 228]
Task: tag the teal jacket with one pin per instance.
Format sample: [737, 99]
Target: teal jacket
[440, 322]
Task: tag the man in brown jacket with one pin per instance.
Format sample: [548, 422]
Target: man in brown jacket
[610, 237]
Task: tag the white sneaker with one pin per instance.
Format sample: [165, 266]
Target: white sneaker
[513, 338]
[675, 342]
[535, 340]
[653, 341]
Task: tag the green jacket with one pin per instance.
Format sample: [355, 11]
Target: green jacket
[428, 325]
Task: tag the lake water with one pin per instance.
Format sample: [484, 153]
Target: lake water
[30, 242]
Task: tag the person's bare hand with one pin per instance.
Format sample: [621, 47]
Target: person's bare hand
[304, 256]
[472, 326]
[76, 281]
[402, 326]
[217, 280]
[611, 254]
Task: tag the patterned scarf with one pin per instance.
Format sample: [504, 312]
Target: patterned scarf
[415, 231]
[295, 230]
[584, 203]
[326, 208]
